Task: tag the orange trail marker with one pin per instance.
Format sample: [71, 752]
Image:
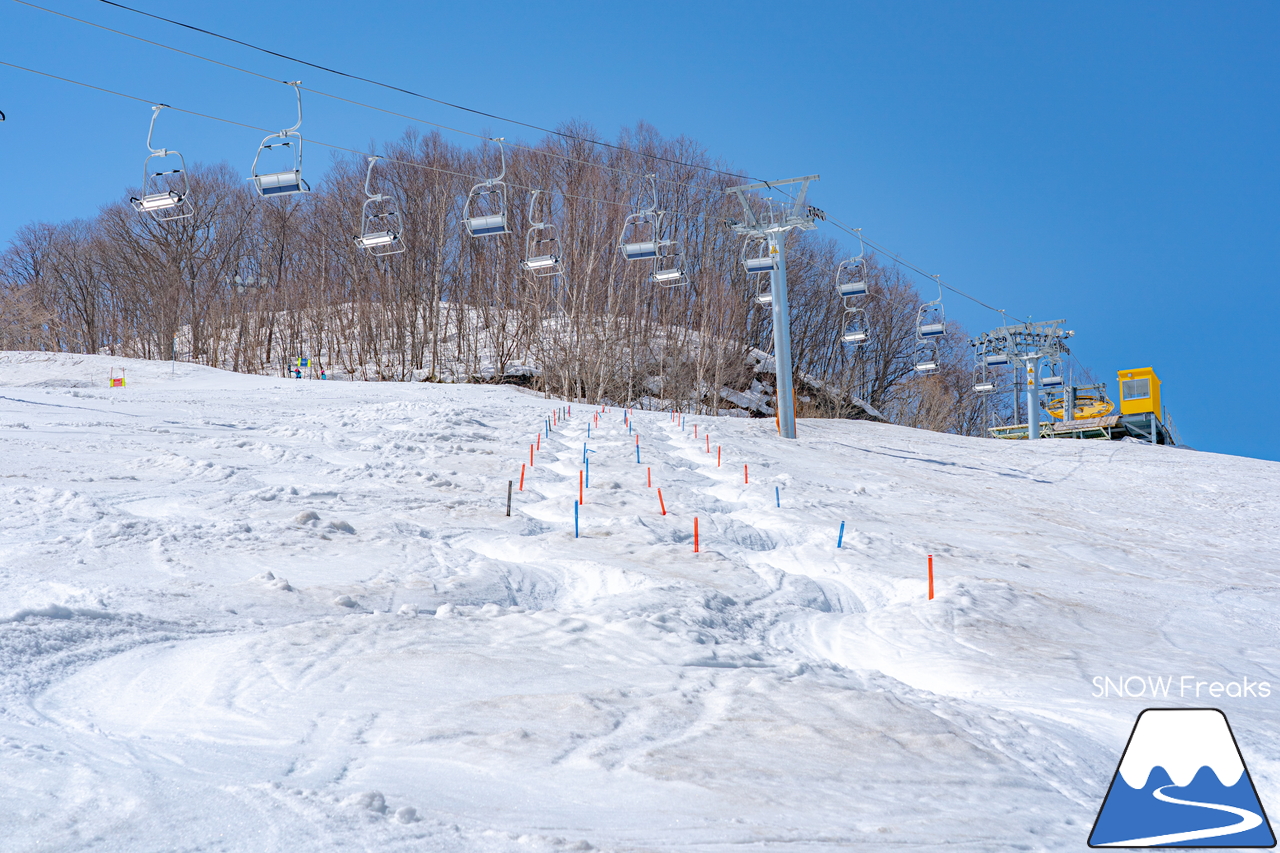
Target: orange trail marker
[745, 476]
[695, 534]
[931, 577]
[717, 456]
[661, 504]
[530, 456]
[581, 498]
[648, 477]
[522, 476]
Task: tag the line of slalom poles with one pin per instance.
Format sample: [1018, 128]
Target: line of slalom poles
[564, 413]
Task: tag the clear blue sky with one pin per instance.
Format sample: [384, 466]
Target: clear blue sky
[1112, 164]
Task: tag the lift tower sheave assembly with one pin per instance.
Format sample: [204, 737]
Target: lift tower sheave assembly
[774, 231]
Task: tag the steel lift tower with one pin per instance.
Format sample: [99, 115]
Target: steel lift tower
[775, 231]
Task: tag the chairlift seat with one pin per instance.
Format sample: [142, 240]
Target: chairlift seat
[929, 366]
[857, 287]
[996, 359]
[669, 277]
[377, 238]
[765, 298]
[854, 336]
[157, 201]
[984, 387]
[759, 265]
[541, 262]
[1050, 381]
[281, 183]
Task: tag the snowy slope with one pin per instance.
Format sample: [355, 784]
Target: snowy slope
[252, 614]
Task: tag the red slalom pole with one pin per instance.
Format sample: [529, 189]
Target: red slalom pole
[745, 476]
[931, 577]
[522, 476]
[695, 431]
[695, 534]
[539, 441]
[531, 456]
[662, 504]
[717, 456]
[581, 497]
[648, 478]
[708, 435]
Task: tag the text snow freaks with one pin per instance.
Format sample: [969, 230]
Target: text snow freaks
[1180, 687]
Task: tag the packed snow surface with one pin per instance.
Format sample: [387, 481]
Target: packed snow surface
[249, 614]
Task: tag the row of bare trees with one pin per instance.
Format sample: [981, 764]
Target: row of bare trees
[250, 284]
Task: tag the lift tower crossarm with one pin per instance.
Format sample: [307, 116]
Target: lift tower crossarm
[796, 219]
[775, 232]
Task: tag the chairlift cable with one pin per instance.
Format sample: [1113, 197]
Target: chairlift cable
[329, 145]
[412, 93]
[369, 106]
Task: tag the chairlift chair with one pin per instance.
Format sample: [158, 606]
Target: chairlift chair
[855, 327]
[851, 275]
[931, 321]
[288, 181]
[995, 359]
[641, 236]
[159, 198]
[380, 223]
[667, 270]
[542, 245]
[764, 292]
[753, 261]
[485, 212]
[1050, 381]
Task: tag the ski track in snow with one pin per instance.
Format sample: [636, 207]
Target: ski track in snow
[253, 614]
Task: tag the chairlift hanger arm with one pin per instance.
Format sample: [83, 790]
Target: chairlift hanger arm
[155, 113]
[297, 88]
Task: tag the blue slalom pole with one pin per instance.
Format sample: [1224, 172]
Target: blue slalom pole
[575, 519]
[840, 538]
[587, 478]
[584, 453]
[588, 429]
[777, 496]
[637, 454]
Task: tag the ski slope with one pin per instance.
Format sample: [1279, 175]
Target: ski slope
[240, 613]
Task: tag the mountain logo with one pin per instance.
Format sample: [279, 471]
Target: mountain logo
[1181, 783]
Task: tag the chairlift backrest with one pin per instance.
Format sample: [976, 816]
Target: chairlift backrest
[160, 198]
[485, 211]
[288, 181]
